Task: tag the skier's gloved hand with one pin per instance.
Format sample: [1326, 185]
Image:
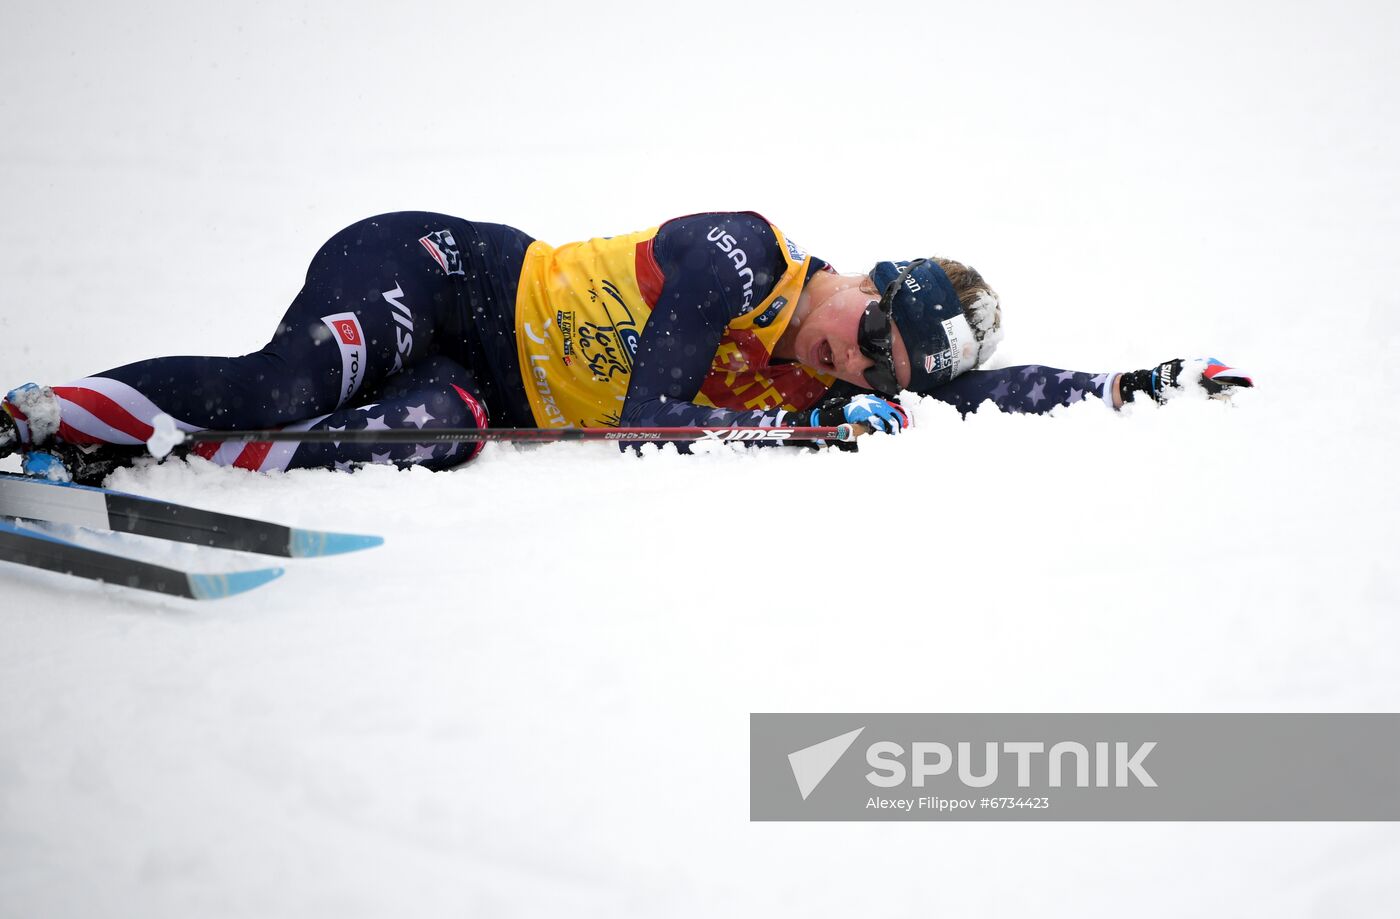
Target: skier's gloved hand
[874, 412]
[1211, 375]
[1218, 379]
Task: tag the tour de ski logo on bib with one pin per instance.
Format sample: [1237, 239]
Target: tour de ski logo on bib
[345, 329]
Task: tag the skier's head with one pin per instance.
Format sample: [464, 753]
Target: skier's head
[948, 319]
[907, 325]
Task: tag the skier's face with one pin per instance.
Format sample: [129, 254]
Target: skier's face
[829, 338]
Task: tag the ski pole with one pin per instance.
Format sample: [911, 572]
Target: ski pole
[167, 437]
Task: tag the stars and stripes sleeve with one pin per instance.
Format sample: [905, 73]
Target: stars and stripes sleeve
[1031, 388]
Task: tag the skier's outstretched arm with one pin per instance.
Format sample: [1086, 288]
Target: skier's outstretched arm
[1036, 389]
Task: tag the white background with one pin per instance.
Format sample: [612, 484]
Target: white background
[533, 700]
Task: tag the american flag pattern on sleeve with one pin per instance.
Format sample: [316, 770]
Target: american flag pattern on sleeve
[1030, 389]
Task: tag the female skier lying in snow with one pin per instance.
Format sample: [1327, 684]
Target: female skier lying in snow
[424, 320]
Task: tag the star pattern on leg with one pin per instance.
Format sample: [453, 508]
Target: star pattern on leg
[1064, 375]
[418, 415]
[422, 452]
[376, 424]
[1037, 393]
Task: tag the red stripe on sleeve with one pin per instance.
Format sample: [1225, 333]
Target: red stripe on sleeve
[649, 275]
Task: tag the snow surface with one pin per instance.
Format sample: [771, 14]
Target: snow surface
[533, 700]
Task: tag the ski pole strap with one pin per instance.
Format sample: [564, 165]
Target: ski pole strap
[841, 433]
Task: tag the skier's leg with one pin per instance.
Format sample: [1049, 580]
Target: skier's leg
[434, 393]
[373, 297]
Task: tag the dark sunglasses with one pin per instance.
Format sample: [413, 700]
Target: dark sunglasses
[876, 335]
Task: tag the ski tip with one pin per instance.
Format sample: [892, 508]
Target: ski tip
[314, 543]
[218, 586]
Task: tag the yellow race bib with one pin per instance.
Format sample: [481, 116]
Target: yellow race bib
[580, 312]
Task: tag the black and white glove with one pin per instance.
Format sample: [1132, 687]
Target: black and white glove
[1215, 378]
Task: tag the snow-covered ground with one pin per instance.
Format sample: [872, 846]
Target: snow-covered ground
[533, 700]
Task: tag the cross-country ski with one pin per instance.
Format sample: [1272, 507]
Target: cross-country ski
[40, 550]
